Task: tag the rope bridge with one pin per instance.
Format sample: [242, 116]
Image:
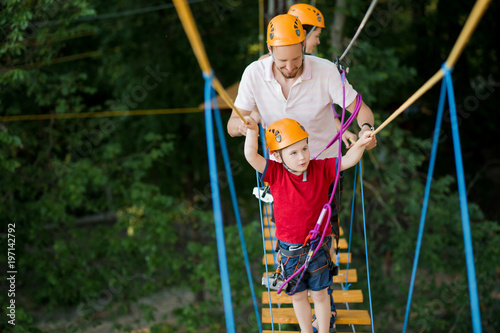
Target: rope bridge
[286, 315]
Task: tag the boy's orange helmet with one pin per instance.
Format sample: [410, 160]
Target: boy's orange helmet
[307, 14]
[283, 133]
[284, 30]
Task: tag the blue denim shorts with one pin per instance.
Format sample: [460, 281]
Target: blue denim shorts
[320, 260]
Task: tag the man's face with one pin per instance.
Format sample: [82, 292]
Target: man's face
[288, 59]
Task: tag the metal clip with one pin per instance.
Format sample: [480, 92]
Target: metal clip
[265, 195]
[275, 282]
[342, 65]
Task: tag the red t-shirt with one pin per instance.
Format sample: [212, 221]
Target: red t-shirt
[297, 203]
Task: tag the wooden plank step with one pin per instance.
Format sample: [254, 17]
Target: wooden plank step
[276, 331]
[342, 244]
[352, 277]
[266, 230]
[344, 317]
[339, 296]
[344, 258]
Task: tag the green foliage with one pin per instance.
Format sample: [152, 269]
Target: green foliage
[109, 210]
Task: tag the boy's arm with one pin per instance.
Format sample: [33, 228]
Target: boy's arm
[354, 154]
[257, 161]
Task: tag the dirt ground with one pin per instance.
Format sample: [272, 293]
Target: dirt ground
[165, 302]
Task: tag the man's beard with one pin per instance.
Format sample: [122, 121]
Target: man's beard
[291, 75]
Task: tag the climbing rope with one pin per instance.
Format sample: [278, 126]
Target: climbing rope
[360, 28]
[267, 206]
[346, 287]
[265, 256]
[366, 245]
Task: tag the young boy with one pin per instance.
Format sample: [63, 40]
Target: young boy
[300, 189]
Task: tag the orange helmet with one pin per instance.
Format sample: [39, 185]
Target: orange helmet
[283, 133]
[307, 14]
[285, 30]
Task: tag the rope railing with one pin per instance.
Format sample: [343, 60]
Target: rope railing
[103, 114]
[189, 25]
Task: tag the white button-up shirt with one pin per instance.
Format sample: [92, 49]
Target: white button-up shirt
[309, 101]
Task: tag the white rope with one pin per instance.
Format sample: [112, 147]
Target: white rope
[361, 26]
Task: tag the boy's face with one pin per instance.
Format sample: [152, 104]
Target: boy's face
[313, 40]
[296, 156]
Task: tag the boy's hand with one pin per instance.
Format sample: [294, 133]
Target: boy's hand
[250, 125]
[373, 142]
[365, 140]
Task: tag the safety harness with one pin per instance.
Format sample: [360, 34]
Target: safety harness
[303, 252]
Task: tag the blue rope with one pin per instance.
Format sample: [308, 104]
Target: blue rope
[366, 244]
[227, 164]
[346, 287]
[265, 256]
[267, 205]
[462, 192]
[425, 204]
[259, 184]
[447, 87]
[269, 229]
[263, 142]
[219, 228]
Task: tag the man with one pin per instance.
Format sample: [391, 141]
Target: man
[290, 84]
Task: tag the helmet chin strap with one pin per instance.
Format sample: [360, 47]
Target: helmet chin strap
[304, 174]
[310, 32]
[305, 40]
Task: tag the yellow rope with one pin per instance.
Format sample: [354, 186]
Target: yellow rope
[186, 17]
[428, 85]
[61, 59]
[469, 27]
[261, 27]
[98, 114]
[187, 21]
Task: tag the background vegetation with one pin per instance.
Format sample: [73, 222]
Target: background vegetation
[110, 210]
